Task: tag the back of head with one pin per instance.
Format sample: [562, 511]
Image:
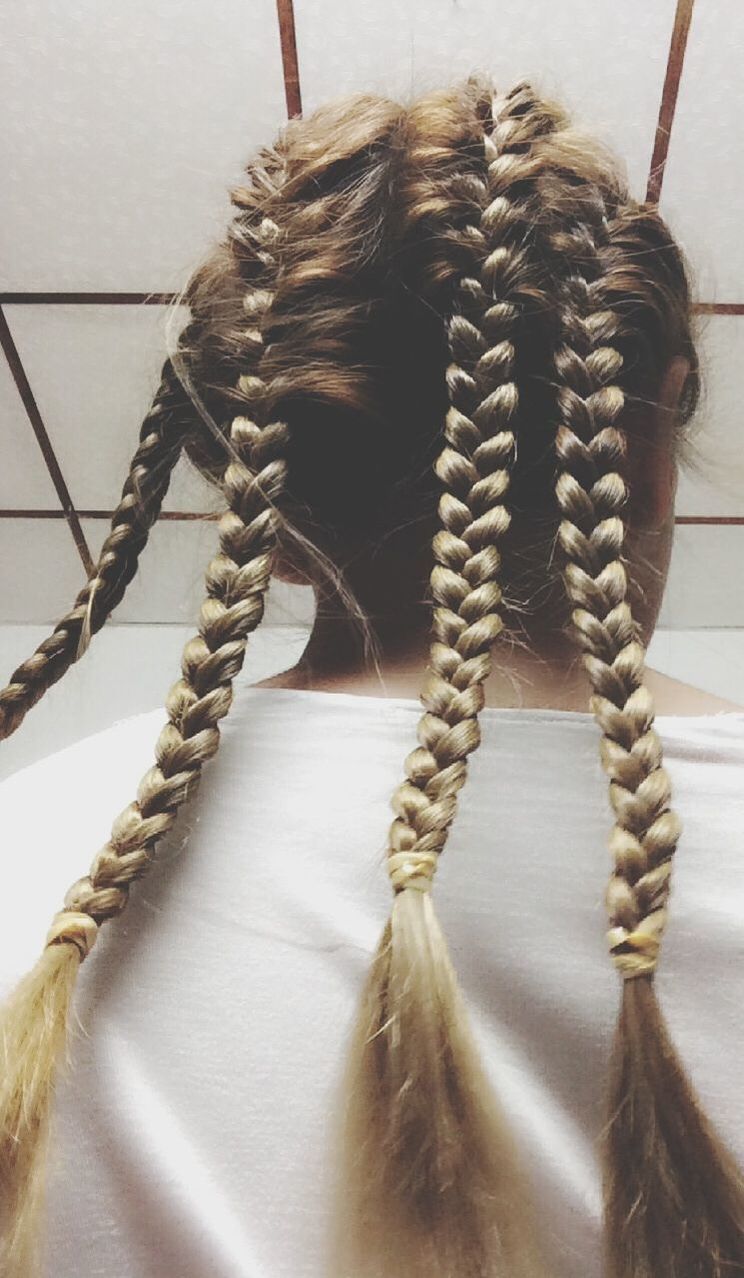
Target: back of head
[442, 327]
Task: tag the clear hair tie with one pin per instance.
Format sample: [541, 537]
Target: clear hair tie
[412, 869]
[76, 928]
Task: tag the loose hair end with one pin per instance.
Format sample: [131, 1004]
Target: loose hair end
[33, 1040]
[429, 1181]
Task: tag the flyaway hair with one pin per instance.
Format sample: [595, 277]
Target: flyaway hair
[453, 316]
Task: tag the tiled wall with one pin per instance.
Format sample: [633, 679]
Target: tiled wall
[123, 126]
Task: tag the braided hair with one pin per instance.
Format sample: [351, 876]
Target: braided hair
[673, 1198]
[237, 580]
[206, 356]
[486, 238]
[250, 462]
[464, 1210]
[161, 441]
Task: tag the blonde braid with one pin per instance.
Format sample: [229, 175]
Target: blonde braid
[674, 1199]
[209, 353]
[33, 1029]
[426, 1146]
[474, 468]
[591, 495]
[237, 581]
[161, 440]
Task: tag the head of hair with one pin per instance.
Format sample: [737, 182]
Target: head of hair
[446, 323]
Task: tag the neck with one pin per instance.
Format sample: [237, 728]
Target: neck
[537, 666]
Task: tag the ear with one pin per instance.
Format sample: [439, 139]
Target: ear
[672, 385]
[653, 469]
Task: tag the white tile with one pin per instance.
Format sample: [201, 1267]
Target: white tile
[290, 605]
[169, 586]
[24, 479]
[127, 670]
[706, 584]
[714, 483]
[94, 370]
[123, 127]
[606, 62]
[703, 191]
[190, 491]
[709, 659]
[40, 569]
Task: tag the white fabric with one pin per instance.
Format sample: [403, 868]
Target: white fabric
[192, 1136]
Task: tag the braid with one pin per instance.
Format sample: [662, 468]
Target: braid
[161, 440]
[490, 217]
[210, 353]
[237, 580]
[474, 468]
[238, 328]
[591, 495]
[426, 1146]
[674, 1201]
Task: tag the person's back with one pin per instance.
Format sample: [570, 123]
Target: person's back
[196, 1118]
[464, 290]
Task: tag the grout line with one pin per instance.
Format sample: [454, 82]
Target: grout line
[668, 105]
[45, 444]
[290, 65]
[212, 516]
[711, 520]
[88, 299]
[108, 514]
[719, 308]
[32, 514]
[166, 299]
[181, 515]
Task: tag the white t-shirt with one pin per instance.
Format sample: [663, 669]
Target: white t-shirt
[191, 1135]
